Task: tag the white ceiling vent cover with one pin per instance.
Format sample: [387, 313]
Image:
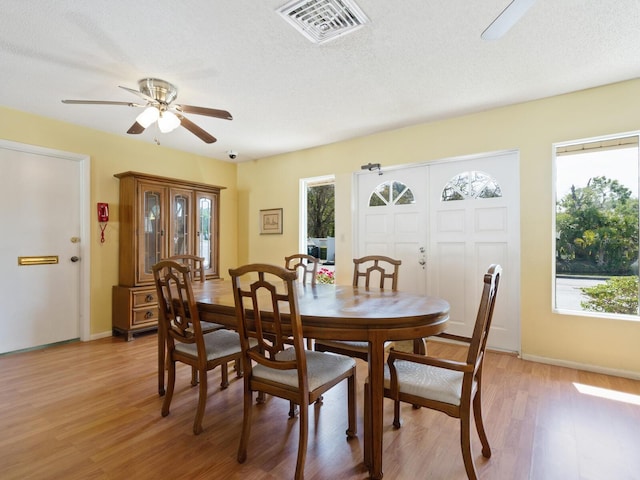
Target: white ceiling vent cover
[323, 20]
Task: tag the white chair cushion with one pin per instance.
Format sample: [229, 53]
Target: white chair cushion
[209, 326]
[427, 381]
[219, 343]
[321, 368]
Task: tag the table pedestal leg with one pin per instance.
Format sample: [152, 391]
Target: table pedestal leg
[374, 398]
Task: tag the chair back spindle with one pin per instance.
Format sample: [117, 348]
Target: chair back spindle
[369, 267]
[195, 263]
[306, 264]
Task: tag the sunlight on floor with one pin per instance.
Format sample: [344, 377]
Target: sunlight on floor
[607, 393]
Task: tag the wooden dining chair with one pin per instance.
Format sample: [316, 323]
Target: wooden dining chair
[375, 270]
[384, 268]
[306, 264]
[452, 387]
[267, 311]
[184, 338]
[195, 262]
[196, 266]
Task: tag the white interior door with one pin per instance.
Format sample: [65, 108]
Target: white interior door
[392, 212]
[474, 222]
[40, 210]
[446, 246]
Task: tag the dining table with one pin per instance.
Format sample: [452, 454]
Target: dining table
[344, 312]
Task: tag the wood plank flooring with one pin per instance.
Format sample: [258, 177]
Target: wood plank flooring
[91, 411]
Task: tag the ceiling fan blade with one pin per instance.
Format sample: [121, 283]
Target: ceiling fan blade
[140, 94]
[101, 102]
[507, 19]
[209, 112]
[195, 129]
[135, 129]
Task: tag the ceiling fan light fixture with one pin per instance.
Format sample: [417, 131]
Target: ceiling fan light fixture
[158, 95]
[148, 116]
[168, 122]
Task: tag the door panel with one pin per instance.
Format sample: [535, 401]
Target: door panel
[468, 234]
[206, 222]
[40, 214]
[181, 222]
[151, 238]
[394, 228]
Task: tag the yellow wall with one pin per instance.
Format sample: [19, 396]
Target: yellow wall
[112, 154]
[531, 128]
[273, 182]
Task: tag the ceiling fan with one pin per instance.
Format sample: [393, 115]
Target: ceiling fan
[507, 19]
[158, 95]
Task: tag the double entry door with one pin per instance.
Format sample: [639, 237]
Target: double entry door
[448, 221]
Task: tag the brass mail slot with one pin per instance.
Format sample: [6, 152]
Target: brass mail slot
[47, 260]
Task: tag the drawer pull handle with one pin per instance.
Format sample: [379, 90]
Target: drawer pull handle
[149, 298]
[149, 314]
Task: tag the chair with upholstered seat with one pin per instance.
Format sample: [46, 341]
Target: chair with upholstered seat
[267, 310]
[367, 269]
[184, 339]
[308, 266]
[196, 266]
[452, 387]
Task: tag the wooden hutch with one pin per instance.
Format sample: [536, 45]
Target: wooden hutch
[159, 217]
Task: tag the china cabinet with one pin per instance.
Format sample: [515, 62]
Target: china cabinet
[159, 217]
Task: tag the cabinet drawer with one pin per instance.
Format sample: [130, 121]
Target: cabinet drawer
[144, 297]
[145, 315]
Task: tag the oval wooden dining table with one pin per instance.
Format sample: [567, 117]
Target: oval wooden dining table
[348, 313]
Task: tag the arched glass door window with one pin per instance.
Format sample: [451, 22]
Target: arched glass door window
[470, 185]
[391, 193]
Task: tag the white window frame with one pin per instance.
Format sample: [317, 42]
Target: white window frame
[554, 199]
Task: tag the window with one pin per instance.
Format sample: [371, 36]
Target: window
[596, 226]
[391, 193]
[469, 185]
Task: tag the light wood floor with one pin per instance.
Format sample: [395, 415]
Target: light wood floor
[91, 411]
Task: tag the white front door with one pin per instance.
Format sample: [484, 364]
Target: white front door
[392, 213]
[474, 222]
[40, 203]
[446, 246]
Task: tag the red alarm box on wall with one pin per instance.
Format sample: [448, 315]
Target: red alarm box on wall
[103, 212]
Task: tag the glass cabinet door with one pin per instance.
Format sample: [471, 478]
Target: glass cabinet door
[206, 234]
[151, 230]
[181, 222]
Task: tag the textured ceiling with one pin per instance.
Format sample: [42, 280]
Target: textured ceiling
[416, 61]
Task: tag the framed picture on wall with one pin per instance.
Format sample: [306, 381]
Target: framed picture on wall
[271, 221]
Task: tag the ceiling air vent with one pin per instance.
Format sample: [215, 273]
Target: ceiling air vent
[323, 20]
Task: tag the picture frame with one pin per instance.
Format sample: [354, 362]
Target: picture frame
[271, 221]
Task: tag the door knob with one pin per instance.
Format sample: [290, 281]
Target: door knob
[75, 259]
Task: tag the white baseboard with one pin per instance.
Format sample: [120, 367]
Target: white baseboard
[582, 366]
[564, 363]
